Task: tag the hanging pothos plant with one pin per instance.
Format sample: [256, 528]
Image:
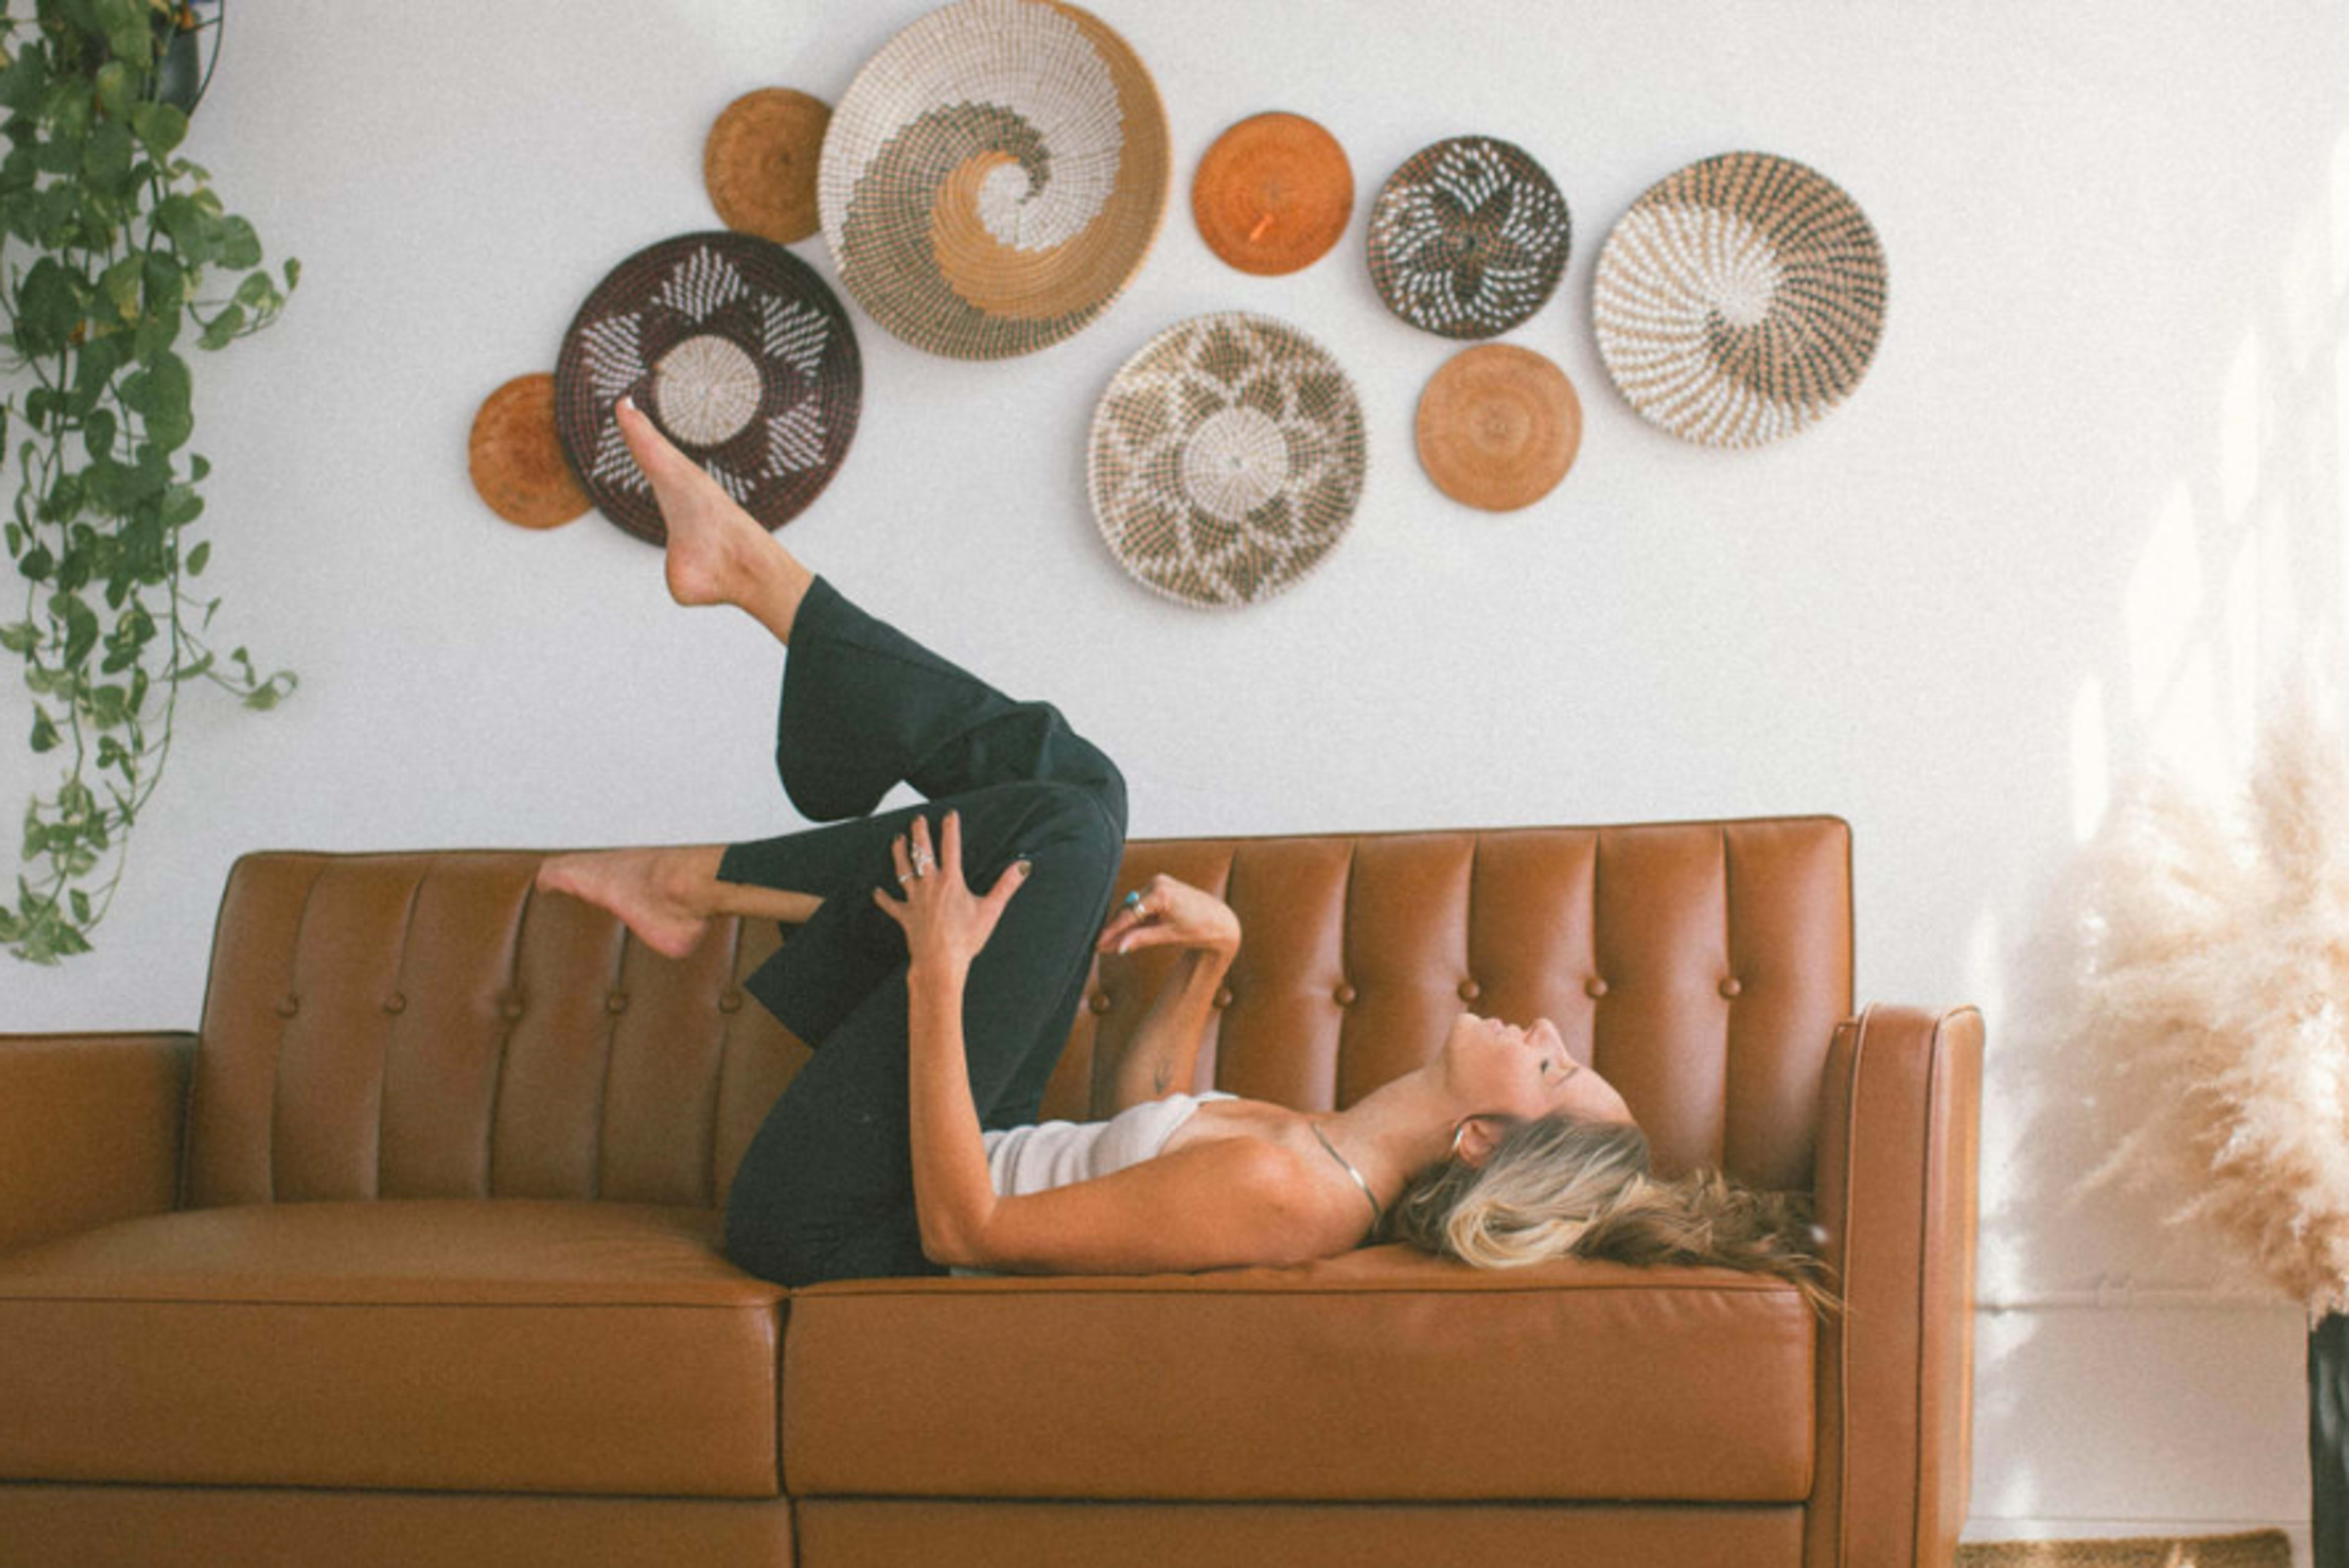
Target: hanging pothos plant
[111, 247]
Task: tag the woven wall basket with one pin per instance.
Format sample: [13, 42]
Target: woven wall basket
[994, 176]
[516, 459]
[1226, 459]
[1469, 237]
[759, 163]
[740, 354]
[1738, 299]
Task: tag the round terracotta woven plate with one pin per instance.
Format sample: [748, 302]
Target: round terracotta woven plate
[516, 460]
[1469, 237]
[1227, 459]
[1498, 427]
[1273, 194]
[1740, 299]
[738, 353]
[994, 177]
[759, 163]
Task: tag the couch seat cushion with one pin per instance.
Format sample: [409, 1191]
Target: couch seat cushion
[1383, 1373]
[505, 1345]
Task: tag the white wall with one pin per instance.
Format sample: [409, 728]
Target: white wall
[2091, 492]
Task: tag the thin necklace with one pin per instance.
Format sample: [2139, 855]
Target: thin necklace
[1370, 1197]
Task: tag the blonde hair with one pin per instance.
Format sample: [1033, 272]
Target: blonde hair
[1559, 1186]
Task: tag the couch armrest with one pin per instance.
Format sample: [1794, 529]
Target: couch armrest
[91, 1129]
[1898, 1140]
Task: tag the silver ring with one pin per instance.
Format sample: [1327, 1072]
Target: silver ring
[1134, 900]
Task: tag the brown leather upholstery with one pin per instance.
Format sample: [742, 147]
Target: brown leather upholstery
[90, 1129]
[450, 1154]
[517, 1347]
[1582, 1382]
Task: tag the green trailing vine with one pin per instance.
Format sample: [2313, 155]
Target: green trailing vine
[107, 241]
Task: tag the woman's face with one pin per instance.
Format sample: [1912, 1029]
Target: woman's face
[1523, 1073]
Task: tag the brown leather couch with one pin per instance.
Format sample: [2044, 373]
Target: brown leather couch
[407, 1256]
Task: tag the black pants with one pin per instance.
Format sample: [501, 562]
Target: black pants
[826, 1189]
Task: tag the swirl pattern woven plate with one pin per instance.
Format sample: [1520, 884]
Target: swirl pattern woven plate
[738, 353]
[1740, 299]
[994, 176]
[1226, 459]
[1469, 237]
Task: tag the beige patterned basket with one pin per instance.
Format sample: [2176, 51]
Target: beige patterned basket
[1740, 299]
[1226, 459]
[994, 177]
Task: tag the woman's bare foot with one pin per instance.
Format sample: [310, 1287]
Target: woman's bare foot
[652, 891]
[718, 554]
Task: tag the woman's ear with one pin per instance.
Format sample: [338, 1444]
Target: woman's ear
[1476, 1137]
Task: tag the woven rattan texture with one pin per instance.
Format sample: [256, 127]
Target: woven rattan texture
[1273, 194]
[516, 461]
[1227, 459]
[759, 163]
[1469, 237]
[994, 177]
[1740, 299]
[738, 351]
[1498, 427]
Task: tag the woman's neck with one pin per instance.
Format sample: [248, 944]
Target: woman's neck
[1395, 1132]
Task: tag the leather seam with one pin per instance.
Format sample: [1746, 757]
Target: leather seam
[1843, 1333]
[1925, 1305]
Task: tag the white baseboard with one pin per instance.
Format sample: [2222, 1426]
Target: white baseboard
[1980, 1529]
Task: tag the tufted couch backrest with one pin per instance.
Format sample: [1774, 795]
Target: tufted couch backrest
[420, 1025]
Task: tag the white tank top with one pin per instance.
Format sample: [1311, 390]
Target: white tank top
[1021, 1160]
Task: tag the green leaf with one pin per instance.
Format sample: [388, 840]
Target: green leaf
[239, 247]
[159, 126]
[115, 94]
[198, 559]
[222, 330]
[49, 308]
[121, 283]
[20, 637]
[45, 733]
[293, 274]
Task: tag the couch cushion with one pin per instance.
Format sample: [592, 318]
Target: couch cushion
[505, 1346]
[1383, 1374]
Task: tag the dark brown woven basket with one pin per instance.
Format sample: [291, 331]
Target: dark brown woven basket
[1469, 237]
[741, 355]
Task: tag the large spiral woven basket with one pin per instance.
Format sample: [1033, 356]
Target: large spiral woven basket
[1226, 459]
[994, 177]
[1740, 299]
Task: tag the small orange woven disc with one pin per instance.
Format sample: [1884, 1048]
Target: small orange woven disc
[516, 459]
[1273, 194]
[1498, 427]
[759, 163]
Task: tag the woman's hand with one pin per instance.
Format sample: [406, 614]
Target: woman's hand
[945, 922]
[1172, 912]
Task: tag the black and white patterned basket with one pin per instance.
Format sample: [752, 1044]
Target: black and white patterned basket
[1469, 237]
[741, 355]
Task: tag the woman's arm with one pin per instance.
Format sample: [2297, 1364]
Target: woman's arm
[1229, 1202]
[1158, 1057]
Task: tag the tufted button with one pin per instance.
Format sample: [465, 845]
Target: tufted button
[288, 1005]
[1344, 996]
[731, 1002]
[617, 1002]
[1470, 990]
[510, 1008]
[1730, 988]
[1224, 998]
[1099, 1002]
[1594, 987]
[395, 1004]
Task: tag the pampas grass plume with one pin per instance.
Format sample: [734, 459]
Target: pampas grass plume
[2217, 974]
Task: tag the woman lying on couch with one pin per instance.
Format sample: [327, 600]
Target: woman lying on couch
[908, 1143]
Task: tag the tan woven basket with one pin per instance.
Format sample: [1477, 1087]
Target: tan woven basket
[994, 177]
[1226, 459]
[1740, 299]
